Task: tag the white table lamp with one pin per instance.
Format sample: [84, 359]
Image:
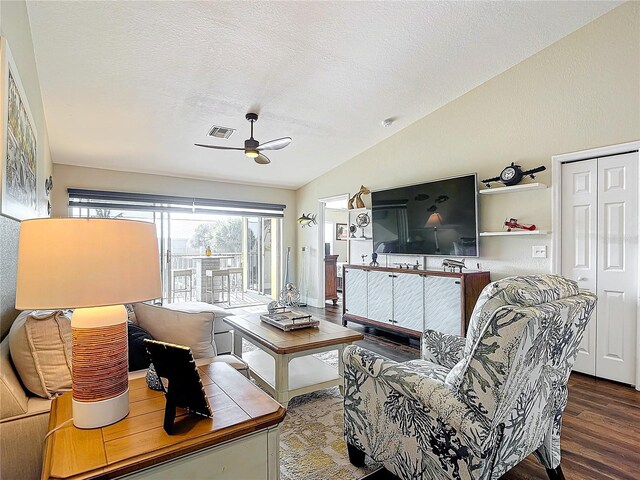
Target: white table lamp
[93, 265]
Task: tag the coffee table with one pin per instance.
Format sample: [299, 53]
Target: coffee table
[284, 364]
[240, 441]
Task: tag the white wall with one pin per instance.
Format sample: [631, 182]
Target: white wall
[14, 26]
[68, 176]
[579, 93]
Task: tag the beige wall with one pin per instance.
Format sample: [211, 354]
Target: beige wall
[579, 93]
[67, 176]
[14, 26]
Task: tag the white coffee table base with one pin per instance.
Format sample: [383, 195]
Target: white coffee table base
[287, 375]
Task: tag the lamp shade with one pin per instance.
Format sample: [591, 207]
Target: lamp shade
[86, 262]
[435, 220]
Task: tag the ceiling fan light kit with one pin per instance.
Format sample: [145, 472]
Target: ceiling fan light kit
[252, 148]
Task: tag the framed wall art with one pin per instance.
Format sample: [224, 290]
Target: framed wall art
[19, 147]
[342, 232]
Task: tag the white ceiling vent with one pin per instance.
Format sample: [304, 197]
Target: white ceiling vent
[221, 132]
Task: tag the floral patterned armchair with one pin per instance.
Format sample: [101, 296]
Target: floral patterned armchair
[473, 408]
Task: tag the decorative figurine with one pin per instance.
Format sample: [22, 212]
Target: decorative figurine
[363, 257]
[290, 296]
[207, 252]
[358, 198]
[374, 260]
[353, 229]
[513, 223]
[307, 220]
[273, 307]
[452, 264]
[512, 175]
[48, 185]
[362, 221]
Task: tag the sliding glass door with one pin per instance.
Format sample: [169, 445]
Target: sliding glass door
[262, 247]
[233, 260]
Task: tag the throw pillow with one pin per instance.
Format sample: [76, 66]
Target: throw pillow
[40, 346]
[138, 356]
[194, 330]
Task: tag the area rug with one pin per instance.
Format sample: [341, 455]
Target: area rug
[312, 445]
[312, 442]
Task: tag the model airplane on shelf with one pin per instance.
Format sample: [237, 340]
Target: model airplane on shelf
[512, 175]
[513, 223]
[452, 264]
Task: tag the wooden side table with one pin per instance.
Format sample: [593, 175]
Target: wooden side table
[240, 441]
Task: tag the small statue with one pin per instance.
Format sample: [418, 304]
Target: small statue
[290, 296]
[358, 198]
[273, 307]
[363, 257]
[374, 260]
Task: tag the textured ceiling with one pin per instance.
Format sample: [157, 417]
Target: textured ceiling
[132, 85]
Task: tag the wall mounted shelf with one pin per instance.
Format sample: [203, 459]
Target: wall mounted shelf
[514, 233]
[515, 188]
[359, 239]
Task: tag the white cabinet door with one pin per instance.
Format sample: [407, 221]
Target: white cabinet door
[355, 296]
[579, 243]
[380, 296]
[443, 304]
[617, 267]
[408, 301]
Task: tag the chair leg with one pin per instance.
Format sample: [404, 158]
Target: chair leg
[356, 456]
[555, 473]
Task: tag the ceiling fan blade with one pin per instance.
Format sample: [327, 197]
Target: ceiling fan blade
[218, 147]
[262, 159]
[275, 144]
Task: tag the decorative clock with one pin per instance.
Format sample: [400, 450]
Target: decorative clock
[513, 174]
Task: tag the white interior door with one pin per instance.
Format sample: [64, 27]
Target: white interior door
[617, 267]
[579, 243]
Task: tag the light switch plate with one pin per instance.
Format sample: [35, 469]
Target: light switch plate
[539, 251]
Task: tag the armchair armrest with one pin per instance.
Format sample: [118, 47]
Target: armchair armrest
[442, 348]
[438, 398]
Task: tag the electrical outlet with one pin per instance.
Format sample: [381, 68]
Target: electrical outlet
[539, 251]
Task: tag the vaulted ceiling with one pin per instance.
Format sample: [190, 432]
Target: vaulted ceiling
[133, 85]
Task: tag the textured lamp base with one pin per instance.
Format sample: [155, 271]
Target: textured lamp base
[101, 413]
[99, 371]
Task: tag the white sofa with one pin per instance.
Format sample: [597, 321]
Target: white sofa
[222, 332]
[24, 418]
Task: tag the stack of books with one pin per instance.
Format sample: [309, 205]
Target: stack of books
[289, 320]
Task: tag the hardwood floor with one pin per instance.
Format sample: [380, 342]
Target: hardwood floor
[601, 424]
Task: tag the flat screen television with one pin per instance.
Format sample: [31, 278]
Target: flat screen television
[432, 218]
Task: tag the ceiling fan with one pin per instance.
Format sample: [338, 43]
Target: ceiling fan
[252, 148]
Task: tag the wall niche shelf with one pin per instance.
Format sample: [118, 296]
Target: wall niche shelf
[514, 233]
[515, 188]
